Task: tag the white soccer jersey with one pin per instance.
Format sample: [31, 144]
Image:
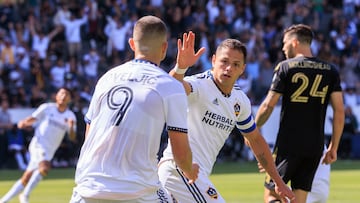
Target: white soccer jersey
[50, 129]
[211, 118]
[127, 113]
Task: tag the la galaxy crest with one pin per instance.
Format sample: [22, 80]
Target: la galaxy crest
[212, 193]
[237, 109]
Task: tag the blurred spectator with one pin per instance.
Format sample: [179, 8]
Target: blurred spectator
[350, 97]
[23, 60]
[5, 127]
[73, 33]
[62, 12]
[7, 13]
[264, 80]
[117, 38]
[73, 74]
[40, 40]
[213, 12]
[8, 52]
[18, 97]
[90, 65]
[17, 147]
[57, 74]
[350, 129]
[19, 33]
[245, 82]
[37, 96]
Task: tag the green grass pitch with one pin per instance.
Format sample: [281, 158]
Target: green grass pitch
[236, 181]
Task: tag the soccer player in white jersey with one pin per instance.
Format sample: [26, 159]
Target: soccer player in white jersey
[51, 121]
[126, 116]
[215, 108]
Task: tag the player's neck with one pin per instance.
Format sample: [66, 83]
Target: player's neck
[149, 58]
[304, 52]
[61, 108]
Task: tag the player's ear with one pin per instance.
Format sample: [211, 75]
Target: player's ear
[295, 42]
[132, 44]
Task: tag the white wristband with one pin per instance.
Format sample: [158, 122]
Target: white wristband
[180, 70]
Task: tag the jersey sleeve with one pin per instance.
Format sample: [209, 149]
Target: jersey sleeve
[337, 81]
[93, 108]
[246, 121]
[39, 113]
[193, 82]
[176, 112]
[277, 84]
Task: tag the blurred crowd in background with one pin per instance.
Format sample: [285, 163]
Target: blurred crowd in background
[47, 44]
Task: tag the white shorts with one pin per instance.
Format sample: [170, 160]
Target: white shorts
[177, 185]
[320, 187]
[161, 196]
[37, 155]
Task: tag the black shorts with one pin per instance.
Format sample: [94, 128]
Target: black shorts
[300, 171]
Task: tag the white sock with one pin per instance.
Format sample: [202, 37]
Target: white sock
[20, 160]
[34, 180]
[14, 191]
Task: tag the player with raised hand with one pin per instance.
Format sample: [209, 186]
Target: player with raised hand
[215, 107]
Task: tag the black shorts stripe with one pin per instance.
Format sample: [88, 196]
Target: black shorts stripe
[193, 189]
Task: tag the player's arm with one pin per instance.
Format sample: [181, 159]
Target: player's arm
[183, 155]
[336, 101]
[87, 129]
[186, 57]
[72, 130]
[266, 108]
[263, 155]
[27, 122]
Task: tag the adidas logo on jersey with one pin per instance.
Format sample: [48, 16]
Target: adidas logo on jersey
[215, 102]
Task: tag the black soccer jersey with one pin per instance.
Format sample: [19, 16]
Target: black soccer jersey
[305, 85]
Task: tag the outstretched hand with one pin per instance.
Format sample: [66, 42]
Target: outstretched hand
[186, 56]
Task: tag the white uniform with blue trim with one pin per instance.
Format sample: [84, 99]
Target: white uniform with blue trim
[127, 114]
[211, 118]
[50, 130]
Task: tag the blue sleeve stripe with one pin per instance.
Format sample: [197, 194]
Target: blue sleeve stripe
[248, 129]
[246, 121]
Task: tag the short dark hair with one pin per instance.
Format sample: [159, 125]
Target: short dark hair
[233, 44]
[302, 32]
[68, 90]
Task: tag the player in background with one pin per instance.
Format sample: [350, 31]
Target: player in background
[51, 121]
[127, 113]
[215, 108]
[321, 184]
[306, 85]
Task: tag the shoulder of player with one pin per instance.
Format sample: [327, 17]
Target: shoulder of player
[237, 88]
[47, 105]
